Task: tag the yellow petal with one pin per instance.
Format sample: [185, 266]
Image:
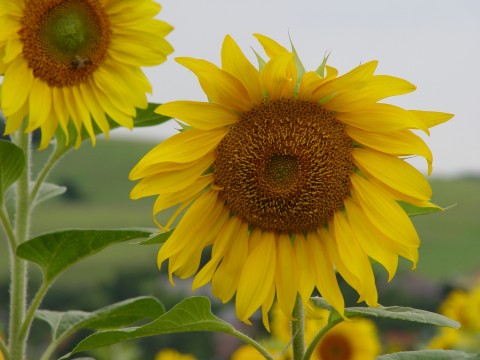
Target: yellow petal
[220, 86]
[200, 115]
[326, 280]
[354, 79]
[351, 254]
[393, 172]
[94, 107]
[276, 78]
[258, 272]
[61, 111]
[380, 87]
[14, 97]
[383, 211]
[381, 118]
[40, 104]
[305, 262]
[271, 47]
[431, 118]
[168, 200]
[310, 81]
[48, 130]
[189, 227]
[286, 276]
[185, 147]
[172, 181]
[376, 245]
[267, 305]
[222, 242]
[226, 278]
[235, 62]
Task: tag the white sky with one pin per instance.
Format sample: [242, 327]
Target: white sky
[435, 44]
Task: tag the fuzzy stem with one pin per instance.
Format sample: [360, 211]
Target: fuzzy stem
[248, 340]
[18, 287]
[298, 330]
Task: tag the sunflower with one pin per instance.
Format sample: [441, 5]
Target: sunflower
[78, 60]
[287, 176]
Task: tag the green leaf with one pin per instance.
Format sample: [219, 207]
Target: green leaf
[148, 116]
[157, 238]
[12, 163]
[48, 191]
[430, 355]
[54, 252]
[321, 303]
[403, 313]
[413, 210]
[117, 315]
[192, 314]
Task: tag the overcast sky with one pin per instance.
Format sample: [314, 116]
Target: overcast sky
[435, 44]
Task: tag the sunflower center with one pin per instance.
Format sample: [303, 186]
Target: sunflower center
[335, 347]
[285, 166]
[64, 41]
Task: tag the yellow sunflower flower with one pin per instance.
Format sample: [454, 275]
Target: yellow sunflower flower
[78, 60]
[289, 175]
[172, 354]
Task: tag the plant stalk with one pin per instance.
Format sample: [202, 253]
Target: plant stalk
[298, 330]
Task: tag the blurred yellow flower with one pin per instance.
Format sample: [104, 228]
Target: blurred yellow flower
[77, 60]
[355, 339]
[290, 175]
[171, 354]
[464, 307]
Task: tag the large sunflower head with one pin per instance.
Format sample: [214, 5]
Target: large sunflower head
[77, 61]
[287, 176]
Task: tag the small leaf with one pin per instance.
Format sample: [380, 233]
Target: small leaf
[148, 116]
[54, 252]
[403, 313]
[113, 316]
[192, 314]
[12, 163]
[430, 355]
[48, 191]
[413, 210]
[321, 303]
[157, 238]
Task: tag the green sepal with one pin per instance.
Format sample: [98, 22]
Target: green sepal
[321, 69]
[12, 163]
[190, 315]
[413, 210]
[54, 252]
[430, 355]
[117, 315]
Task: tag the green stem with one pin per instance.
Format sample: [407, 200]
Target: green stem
[25, 329]
[18, 287]
[298, 330]
[319, 336]
[52, 160]
[248, 340]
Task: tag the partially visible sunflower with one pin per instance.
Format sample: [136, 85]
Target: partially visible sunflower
[355, 339]
[172, 354]
[464, 307]
[289, 175]
[77, 60]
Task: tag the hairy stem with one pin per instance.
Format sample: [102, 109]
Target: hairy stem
[298, 330]
[320, 335]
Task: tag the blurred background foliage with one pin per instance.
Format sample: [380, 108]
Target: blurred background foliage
[98, 197]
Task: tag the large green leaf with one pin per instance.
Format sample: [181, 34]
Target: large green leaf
[54, 252]
[430, 355]
[114, 316]
[192, 314]
[403, 313]
[12, 162]
[392, 312]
